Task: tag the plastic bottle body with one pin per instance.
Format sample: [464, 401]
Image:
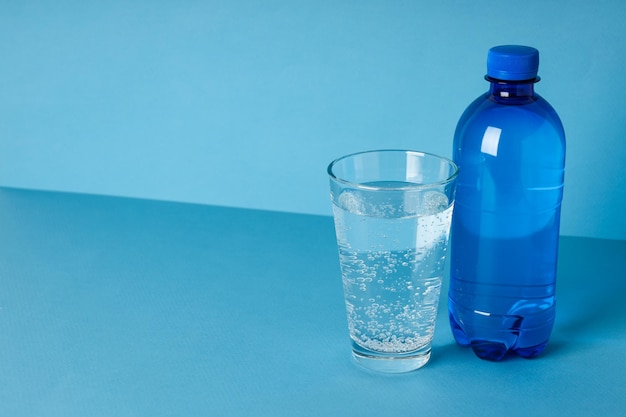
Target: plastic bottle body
[510, 149]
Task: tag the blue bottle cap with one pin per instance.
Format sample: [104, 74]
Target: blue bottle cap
[512, 63]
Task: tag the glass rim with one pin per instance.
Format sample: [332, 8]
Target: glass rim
[411, 186]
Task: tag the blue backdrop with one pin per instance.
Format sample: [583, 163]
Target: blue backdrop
[243, 103]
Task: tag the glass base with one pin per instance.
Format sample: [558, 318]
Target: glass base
[393, 363]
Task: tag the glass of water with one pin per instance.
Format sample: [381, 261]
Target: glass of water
[392, 211]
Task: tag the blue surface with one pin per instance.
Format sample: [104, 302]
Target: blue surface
[127, 307]
[164, 99]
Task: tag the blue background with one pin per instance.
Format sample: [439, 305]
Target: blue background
[242, 103]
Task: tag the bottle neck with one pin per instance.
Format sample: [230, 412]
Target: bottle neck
[512, 92]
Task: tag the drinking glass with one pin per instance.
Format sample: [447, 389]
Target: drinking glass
[392, 212]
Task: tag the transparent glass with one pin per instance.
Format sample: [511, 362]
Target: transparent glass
[392, 212]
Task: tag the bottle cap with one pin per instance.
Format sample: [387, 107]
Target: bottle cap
[512, 63]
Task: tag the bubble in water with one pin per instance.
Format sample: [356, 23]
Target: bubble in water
[351, 202]
[363, 204]
[434, 202]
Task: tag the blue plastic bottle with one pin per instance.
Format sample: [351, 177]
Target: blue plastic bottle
[510, 148]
